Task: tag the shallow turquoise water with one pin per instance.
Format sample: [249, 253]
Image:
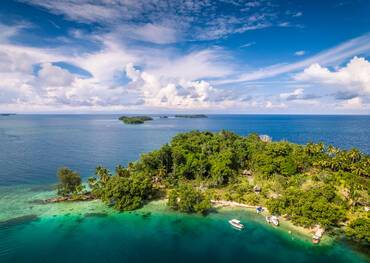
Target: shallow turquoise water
[92, 232]
[33, 147]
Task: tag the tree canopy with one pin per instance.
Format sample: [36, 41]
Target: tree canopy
[186, 198]
[311, 184]
[70, 181]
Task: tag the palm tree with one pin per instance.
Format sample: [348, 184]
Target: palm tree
[122, 171]
[92, 182]
[103, 174]
[357, 169]
[332, 151]
[354, 155]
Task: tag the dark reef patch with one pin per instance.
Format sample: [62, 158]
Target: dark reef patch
[37, 202]
[20, 220]
[146, 215]
[94, 214]
[80, 220]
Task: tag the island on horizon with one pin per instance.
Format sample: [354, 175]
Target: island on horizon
[135, 119]
[140, 119]
[7, 114]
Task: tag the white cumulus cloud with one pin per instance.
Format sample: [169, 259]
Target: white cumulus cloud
[176, 92]
[51, 75]
[355, 76]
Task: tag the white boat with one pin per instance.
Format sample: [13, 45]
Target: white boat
[316, 238]
[272, 220]
[236, 223]
[275, 220]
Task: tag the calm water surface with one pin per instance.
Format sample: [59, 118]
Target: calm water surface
[34, 146]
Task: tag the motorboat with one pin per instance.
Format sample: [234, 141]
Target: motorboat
[236, 223]
[272, 220]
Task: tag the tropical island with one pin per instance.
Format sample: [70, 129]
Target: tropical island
[310, 185]
[135, 119]
[191, 116]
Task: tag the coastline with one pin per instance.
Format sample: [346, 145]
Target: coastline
[27, 202]
[285, 224]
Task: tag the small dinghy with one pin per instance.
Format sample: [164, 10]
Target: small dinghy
[236, 223]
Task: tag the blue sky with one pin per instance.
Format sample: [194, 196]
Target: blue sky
[230, 56]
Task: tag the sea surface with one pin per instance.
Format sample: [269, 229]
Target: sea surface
[33, 147]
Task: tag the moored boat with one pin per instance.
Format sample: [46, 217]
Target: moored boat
[272, 220]
[316, 238]
[236, 223]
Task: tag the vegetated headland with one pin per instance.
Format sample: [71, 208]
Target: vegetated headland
[312, 186]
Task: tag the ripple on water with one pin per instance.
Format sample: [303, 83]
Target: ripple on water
[42, 188]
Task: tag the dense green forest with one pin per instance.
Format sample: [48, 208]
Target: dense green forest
[309, 184]
[135, 119]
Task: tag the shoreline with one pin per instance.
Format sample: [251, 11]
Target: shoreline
[285, 224]
[53, 205]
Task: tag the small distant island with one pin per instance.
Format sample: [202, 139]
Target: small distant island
[141, 119]
[135, 119]
[314, 186]
[7, 114]
[191, 116]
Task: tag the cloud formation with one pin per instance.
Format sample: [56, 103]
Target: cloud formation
[298, 94]
[175, 93]
[340, 53]
[183, 54]
[355, 76]
[33, 77]
[173, 20]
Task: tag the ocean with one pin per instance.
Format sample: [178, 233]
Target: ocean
[33, 147]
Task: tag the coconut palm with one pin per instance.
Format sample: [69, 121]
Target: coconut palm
[122, 171]
[103, 174]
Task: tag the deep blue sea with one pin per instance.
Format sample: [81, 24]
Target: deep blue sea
[33, 147]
